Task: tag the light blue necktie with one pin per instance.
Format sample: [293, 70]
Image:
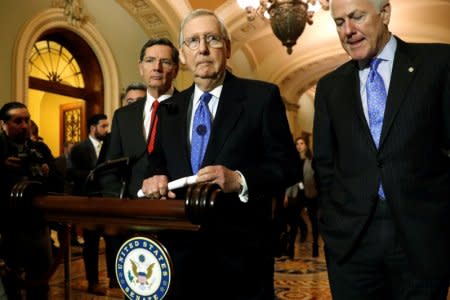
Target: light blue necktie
[376, 104]
[201, 130]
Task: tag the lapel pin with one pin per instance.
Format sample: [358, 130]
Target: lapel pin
[410, 69]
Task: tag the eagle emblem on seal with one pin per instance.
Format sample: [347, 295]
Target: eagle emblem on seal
[141, 273]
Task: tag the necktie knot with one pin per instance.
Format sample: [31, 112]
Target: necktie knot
[205, 97]
[374, 63]
[155, 105]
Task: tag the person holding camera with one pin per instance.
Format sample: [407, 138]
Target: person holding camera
[25, 235]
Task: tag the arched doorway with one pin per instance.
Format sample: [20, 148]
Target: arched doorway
[65, 85]
[52, 21]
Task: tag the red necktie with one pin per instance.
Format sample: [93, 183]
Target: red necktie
[153, 124]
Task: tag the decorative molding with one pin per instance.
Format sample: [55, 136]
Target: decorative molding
[151, 20]
[73, 10]
[55, 18]
[290, 106]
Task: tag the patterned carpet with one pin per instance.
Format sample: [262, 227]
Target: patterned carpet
[303, 277]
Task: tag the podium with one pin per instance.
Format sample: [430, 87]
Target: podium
[114, 214]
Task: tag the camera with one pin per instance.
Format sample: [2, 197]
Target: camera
[31, 161]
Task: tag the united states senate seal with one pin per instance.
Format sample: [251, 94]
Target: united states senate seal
[143, 269]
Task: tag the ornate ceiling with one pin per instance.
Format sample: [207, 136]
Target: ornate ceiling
[257, 53]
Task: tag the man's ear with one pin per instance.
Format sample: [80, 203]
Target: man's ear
[141, 72]
[181, 56]
[386, 13]
[228, 45]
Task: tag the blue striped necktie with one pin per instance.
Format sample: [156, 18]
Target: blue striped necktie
[376, 104]
[201, 130]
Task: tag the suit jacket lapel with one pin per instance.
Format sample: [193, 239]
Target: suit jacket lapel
[180, 123]
[137, 126]
[402, 75]
[138, 123]
[92, 153]
[351, 79]
[227, 115]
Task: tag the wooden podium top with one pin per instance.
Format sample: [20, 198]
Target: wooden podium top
[108, 212]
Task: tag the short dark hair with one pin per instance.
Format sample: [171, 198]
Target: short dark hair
[4, 111]
[136, 86]
[160, 41]
[95, 119]
[34, 128]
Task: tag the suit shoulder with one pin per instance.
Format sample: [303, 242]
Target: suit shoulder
[337, 74]
[255, 84]
[430, 49]
[82, 145]
[130, 108]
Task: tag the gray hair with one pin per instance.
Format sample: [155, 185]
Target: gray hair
[136, 86]
[378, 4]
[202, 12]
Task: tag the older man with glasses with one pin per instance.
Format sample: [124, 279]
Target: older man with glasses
[232, 132]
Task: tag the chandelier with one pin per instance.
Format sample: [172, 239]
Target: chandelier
[287, 17]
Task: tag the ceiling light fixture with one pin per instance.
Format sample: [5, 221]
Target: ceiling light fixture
[287, 17]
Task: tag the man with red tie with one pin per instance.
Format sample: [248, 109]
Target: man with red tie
[133, 126]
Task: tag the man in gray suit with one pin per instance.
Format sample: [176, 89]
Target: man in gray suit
[381, 124]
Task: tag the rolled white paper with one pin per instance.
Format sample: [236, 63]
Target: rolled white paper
[175, 184]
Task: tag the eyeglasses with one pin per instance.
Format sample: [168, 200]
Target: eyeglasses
[165, 62]
[213, 41]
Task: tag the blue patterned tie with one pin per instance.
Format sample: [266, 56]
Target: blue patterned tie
[201, 130]
[376, 104]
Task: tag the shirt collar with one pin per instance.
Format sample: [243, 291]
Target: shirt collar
[94, 141]
[149, 100]
[215, 92]
[387, 54]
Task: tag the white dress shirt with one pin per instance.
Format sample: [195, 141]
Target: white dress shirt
[384, 69]
[212, 106]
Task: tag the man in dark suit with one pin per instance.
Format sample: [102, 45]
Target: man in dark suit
[131, 126]
[24, 234]
[84, 157]
[381, 123]
[250, 155]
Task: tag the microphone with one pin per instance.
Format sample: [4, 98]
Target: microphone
[112, 163]
[175, 184]
[109, 164]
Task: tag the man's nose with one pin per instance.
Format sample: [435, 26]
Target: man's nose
[349, 28]
[203, 47]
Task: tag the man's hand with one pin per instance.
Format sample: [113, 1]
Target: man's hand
[228, 180]
[156, 187]
[13, 163]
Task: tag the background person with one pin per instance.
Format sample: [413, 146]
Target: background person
[134, 92]
[84, 157]
[25, 234]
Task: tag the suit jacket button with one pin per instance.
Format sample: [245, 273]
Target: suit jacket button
[380, 164]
